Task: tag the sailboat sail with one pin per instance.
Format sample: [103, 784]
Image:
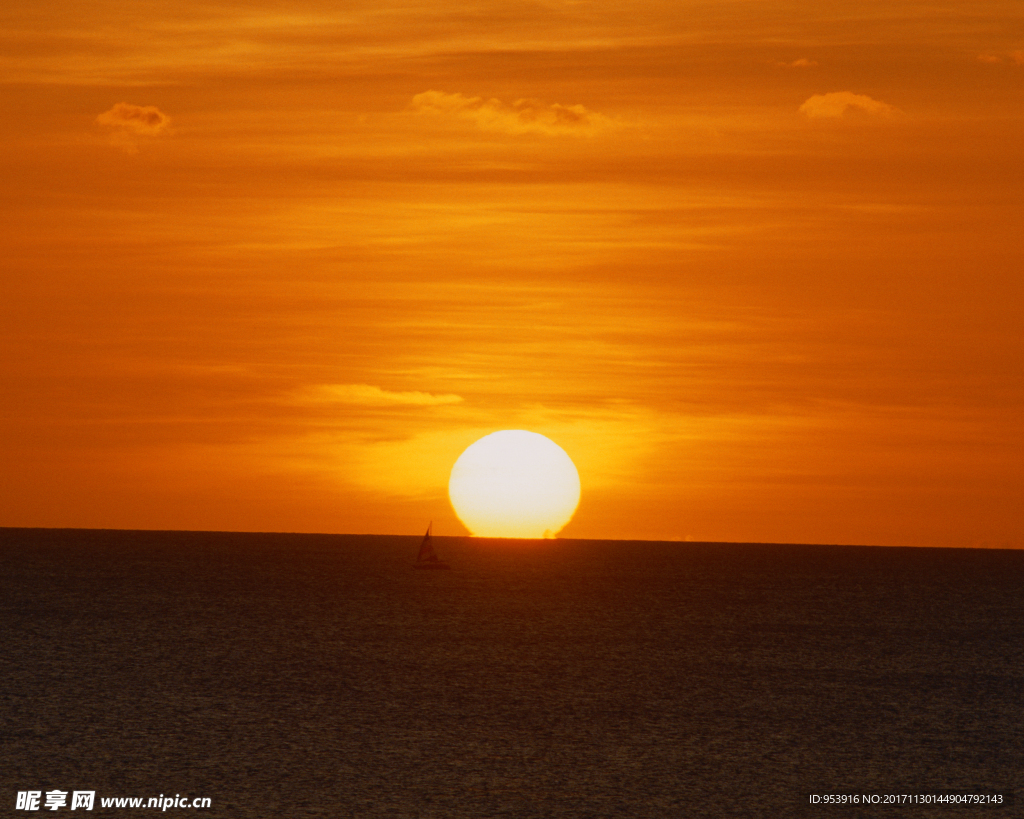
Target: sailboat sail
[427, 558]
[427, 547]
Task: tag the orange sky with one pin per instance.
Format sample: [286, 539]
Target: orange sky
[755, 266]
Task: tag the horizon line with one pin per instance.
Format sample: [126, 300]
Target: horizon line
[531, 540]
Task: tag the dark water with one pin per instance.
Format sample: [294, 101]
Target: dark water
[305, 675]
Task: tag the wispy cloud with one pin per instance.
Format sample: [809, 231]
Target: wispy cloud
[803, 62]
[524, 116]
[127, 122]
[1013, 58]
[368, 395]
[835, 104]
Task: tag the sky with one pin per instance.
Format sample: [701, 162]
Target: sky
[755, 266]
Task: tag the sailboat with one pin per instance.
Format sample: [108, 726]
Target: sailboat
[427, 558]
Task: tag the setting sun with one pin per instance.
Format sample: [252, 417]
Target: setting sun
[514, 483]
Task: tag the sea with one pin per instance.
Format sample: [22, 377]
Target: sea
[301, 675]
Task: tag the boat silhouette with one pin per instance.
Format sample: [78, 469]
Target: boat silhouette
[427, 558]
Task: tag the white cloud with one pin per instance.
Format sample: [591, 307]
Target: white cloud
[127, 123]
[368, 395]
[524, 116]
[147, 120]
[835, 104]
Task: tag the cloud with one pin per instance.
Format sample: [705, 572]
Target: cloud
[127, 123]
[367, 395]
[525, 116]
[1014, 57]
[835, 104]
[145, 120]
[803, 62]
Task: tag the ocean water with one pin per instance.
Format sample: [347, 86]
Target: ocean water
[314, 675]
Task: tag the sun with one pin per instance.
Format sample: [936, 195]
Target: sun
[514, 483]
